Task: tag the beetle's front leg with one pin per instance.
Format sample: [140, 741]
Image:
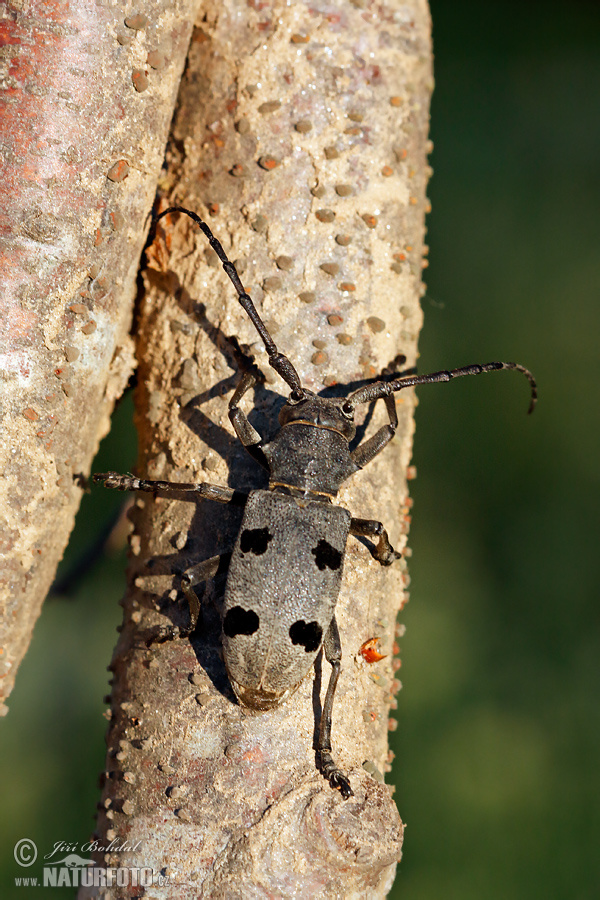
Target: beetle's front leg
[366, 451]
[384, 553]
[369, 449]
[333, 654]
[247, 434]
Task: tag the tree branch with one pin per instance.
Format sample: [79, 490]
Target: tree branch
[87, 100]
[301, 137]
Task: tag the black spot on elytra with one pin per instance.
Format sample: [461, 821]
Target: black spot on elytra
[255, 540]
[240, 621]
[326, 556]
[309, 634]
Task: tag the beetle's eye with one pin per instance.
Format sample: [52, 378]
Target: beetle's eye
[348, 409]
[296, 396]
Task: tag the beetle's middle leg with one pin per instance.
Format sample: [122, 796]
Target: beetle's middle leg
[383, 552]
[333, 654]
[205, 490]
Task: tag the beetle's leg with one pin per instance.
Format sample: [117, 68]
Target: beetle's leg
[209, 568]
[384, 553]
[247, 434]
[204, 489]
[365, 452]
[333, 654]
[203, 571]
[393, 369]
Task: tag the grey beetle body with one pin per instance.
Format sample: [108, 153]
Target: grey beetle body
[275, 618]
[286, 568]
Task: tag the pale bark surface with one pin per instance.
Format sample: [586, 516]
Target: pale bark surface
[86, 100]
[301, 137]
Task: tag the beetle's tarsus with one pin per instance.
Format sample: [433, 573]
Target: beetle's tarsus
[391, 557]
[164, 634]
[336, 778]
[115, 481]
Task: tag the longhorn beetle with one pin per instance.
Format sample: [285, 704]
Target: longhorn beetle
[286, 567]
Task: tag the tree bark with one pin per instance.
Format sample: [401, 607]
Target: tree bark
[300, 137]
[87, 98]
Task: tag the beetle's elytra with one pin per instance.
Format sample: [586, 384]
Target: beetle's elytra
[286, 567]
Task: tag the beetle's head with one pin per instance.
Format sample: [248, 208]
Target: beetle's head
[305, 408]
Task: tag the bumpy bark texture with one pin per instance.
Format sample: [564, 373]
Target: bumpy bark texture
[86, 98]
[301, 138]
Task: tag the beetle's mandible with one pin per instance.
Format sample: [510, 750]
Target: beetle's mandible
[286, 567]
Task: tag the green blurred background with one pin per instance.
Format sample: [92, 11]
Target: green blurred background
[498, 744]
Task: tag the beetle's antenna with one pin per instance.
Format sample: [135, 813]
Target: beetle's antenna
[277, 360]
[385, 388]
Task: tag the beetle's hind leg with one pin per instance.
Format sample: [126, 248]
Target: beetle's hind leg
[196, 574]
[209, 568]
[333, 654]
[204, 571]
